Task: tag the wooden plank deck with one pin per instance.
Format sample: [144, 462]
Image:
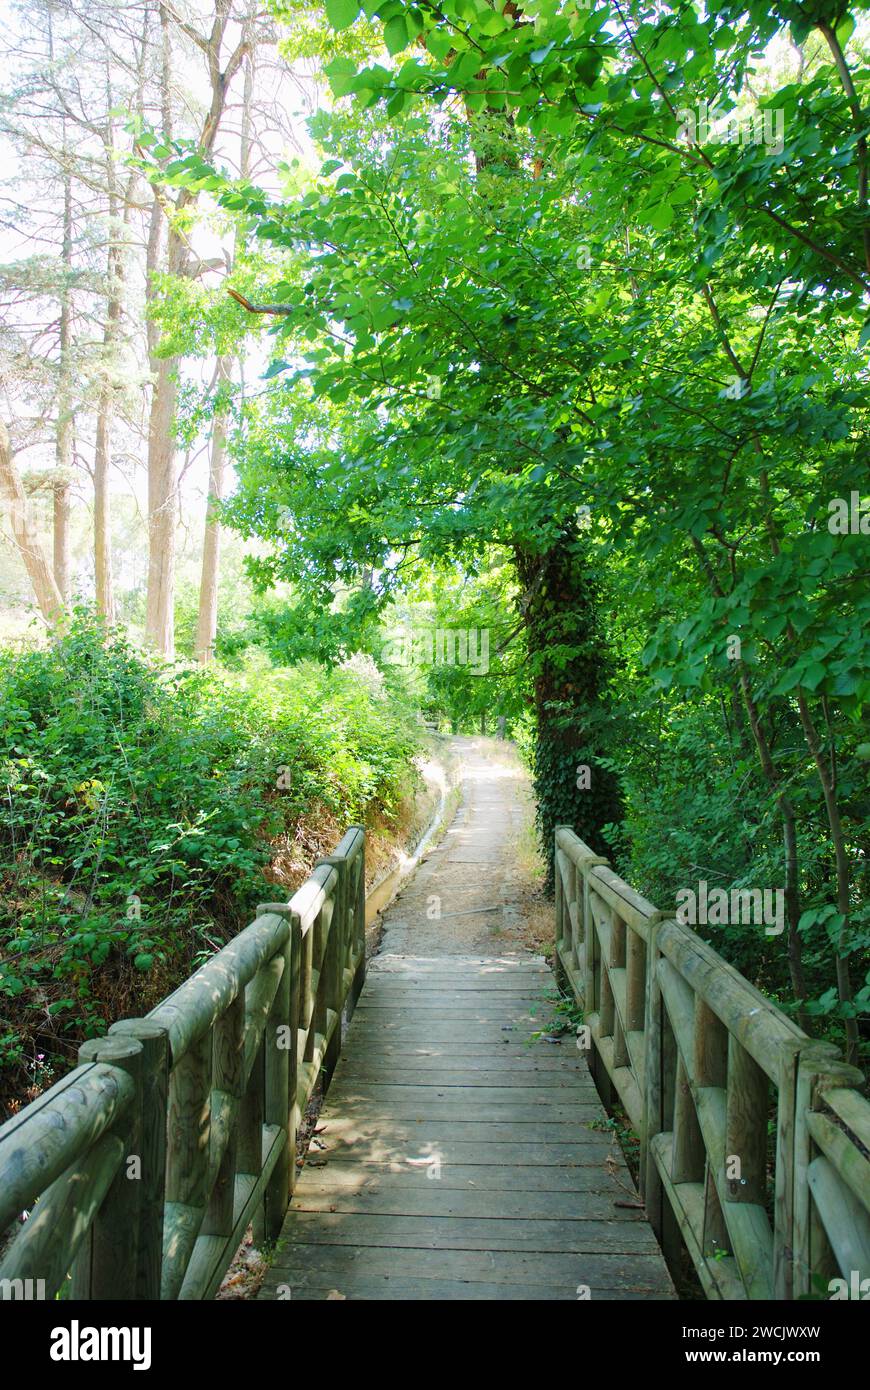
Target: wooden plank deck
[461, 1160]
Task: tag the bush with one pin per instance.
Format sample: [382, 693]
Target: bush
[141, 805]
[695, 808]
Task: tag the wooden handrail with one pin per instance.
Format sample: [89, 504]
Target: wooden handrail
[699, 1061]
[141, 1170]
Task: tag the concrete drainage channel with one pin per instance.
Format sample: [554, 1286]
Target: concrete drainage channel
[447, 778]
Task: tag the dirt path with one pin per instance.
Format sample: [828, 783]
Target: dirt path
[476, 891]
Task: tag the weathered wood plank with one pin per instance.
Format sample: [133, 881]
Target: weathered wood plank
[524, 1020]
[413, 1029]
[523, 1269]
[555, 1059]
[593, 1147]
[479, 1204]
[423, 1103]
[513, 1000]
[537, 1085]
[306, 1288]
[468, 1233]
[342, 1130]
[340, 1176]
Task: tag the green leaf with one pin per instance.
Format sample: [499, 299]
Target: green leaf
[396, 35]
[813, 675]
[342, 74]
[341, 13]
[660, 217]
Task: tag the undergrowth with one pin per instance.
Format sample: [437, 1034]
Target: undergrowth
[148, 807]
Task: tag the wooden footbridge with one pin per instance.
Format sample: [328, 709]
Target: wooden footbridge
[455, 1158]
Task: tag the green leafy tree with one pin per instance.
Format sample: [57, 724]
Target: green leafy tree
[535, 299]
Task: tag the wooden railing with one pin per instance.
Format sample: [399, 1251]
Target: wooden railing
[754, 1139]
[142, 1169]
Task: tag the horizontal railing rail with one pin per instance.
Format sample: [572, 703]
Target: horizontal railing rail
[140, 1171]
[701, 1062]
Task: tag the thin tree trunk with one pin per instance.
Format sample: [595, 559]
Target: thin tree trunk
[206, 630]
[48, 595]
[162, 465]
[208, 590]
[116, 276]
[162, 468]
[61, 536]
[102, 510]
[162, 505]
[64, 429]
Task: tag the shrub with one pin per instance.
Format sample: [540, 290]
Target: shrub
[141, 804]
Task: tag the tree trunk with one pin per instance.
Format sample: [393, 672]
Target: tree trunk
[116, 285]
[206, 630]
[560, 606]
[162, 504]
[102, 511]
[45, 588]
[61, 538]
[208, 590]
[162, 470]
[162, 465]
[64, 428]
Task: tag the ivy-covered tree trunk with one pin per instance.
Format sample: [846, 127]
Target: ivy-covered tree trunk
[570, 670]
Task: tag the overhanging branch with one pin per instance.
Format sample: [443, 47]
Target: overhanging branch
[259, 308]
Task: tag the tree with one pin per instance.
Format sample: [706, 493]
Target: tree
[65, 195]
[654, 337]
[48, 595]
[208, 591]
[224, 47]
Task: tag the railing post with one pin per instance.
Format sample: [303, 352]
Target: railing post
[333, 965]
[293, 1116]
[250, 1140]
[649, 1181]
[228, 1068]
[561, 915]
[809, 1243]
[155, 1084]
[277, 1040]
[591, 996]
[359, 925]
[784, 1182]
[106, 1264]
[747, 1093]
[188, 1141]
